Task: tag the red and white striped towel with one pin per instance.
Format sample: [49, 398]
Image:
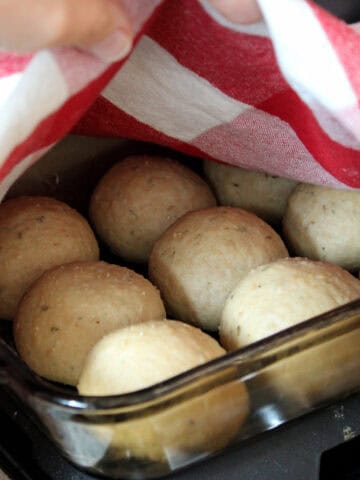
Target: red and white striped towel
[281, 96]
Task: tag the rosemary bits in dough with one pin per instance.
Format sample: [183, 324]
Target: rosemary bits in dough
[38, 233]
[139, 198]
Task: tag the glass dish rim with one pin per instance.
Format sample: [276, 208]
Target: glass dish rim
[75, 403]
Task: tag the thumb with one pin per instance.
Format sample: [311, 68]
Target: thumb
[85, 23]
[102, 27]
[48, 23]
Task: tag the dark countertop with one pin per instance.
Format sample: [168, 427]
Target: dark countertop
[293, 451]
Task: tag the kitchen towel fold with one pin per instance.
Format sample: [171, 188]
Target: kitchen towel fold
[280, 96]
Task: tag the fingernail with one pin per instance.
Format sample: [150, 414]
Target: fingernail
[243, 12]
[113, 48]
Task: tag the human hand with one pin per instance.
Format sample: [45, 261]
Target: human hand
[238, 11]
[100, 26]
[30, 25]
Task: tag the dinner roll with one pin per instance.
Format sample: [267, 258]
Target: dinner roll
[199, 260]
[139, 198]
[71, 307]
[324, 224]
[282, 294]
[260, 193]
[38, 233]
[140, 356]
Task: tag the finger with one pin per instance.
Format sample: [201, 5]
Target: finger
[47, 23]
[238, 11]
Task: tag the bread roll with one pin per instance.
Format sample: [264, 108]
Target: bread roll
[71, 307]
[139, 198]
[324, 224]
[38, 233]
[199, 260]
[284, 293]
[260, 193]
[140, 356]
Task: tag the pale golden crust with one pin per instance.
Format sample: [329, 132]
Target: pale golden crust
[200, 259]
[142, 355]
[324, 224]
[71, 307]
[139, 198]
[37, 233]
[282, 294]
[260, 193]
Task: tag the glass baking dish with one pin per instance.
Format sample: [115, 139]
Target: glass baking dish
[161, 429]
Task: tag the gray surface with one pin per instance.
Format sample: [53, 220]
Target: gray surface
[348, 10]
[290, 452]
